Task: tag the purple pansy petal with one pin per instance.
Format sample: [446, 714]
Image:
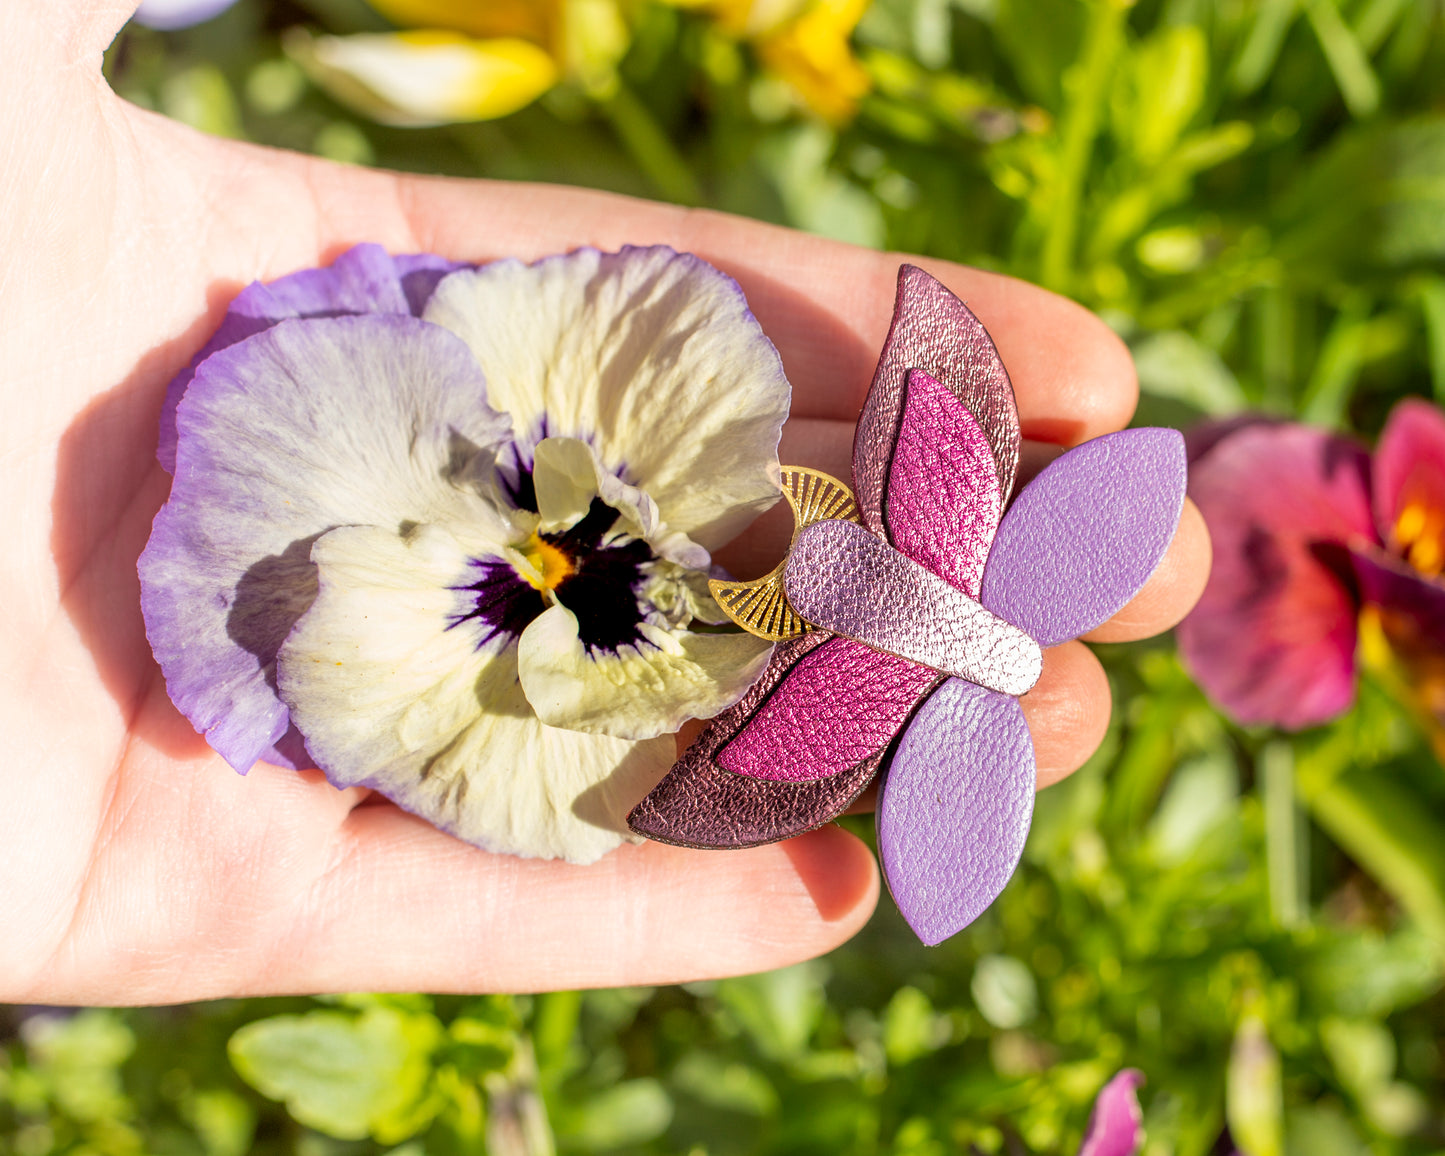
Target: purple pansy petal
[702, 803]
[166, 15]
[943, 501]
[1116, 1126]
[1085, 535]
[1272, 640]
[955, 807]
[364, 279]
[649, 355]
[935, 332]
[1408, 471]
[310, 425]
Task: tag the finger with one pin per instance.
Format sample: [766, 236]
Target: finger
[825, 304]
[1173, 588]
[417, 911]
[1067, 711]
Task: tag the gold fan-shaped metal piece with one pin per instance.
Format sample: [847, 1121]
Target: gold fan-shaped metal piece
[760, 607]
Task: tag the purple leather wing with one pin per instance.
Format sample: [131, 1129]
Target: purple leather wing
[935, 332]
[943, 500]
[1084, 536]
[955, 807]
[793, 753]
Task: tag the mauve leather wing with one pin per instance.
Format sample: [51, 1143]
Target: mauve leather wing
[1084, 536]
[793, 753]
[955, 807]
[933, 331]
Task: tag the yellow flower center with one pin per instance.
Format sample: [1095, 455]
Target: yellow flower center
[1420, 533]
[552, 562]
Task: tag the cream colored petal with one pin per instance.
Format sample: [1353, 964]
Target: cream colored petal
[641, 691]
[392, 693]
[567, 476]
[425, 77]
[650, 356]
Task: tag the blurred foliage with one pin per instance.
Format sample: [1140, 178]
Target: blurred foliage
[1253, 193]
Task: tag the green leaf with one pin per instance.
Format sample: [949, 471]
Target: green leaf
[1174, 365]
[347, 1076]
[1041, 39]
[1347, 59]
[778, 1009]
[1382, 823]
[1367, 973]
[1161, 91]
[1362, 1051]
[632, 1112]
[1432, 304]
[1322, 1130]
[224, 1121]
[1004, 991]
[1260, 50]
[911, 1028]
[818, 198]
[1201, 795]
[733, 1087]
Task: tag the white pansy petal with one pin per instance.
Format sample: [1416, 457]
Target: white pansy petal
[649, 355]
[393, 693]
[640, 691]
[307, 426]
[564, 475]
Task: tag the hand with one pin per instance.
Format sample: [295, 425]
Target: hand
[137, 867]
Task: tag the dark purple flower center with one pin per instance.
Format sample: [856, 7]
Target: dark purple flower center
[600, 587]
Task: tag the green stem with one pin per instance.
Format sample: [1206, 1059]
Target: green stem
[1285, 844]
[650, 147]
[1085, 87]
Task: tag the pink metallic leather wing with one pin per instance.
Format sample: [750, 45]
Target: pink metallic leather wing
[943, 501]
[768, 767]
[935, 332]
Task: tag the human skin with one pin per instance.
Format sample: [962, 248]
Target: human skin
[135, 867]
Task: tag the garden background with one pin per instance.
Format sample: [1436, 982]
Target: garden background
[1252, 192]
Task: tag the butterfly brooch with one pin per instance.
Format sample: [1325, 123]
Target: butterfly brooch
[912, 611]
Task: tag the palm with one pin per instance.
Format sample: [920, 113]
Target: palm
[137, 867]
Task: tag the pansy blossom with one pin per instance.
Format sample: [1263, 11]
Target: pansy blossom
[1318, 546]
[459, 546]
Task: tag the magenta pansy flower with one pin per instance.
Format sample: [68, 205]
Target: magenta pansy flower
[1313, 536]
[446, 531]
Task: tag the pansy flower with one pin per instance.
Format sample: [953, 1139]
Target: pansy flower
[1318, 547]
[457, 60]
[446, 532]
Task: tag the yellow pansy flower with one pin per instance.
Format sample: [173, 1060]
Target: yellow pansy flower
[457, 60]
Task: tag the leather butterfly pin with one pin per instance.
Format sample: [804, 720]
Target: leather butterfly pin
[912, 611]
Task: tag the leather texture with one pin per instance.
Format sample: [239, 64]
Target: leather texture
[841, 578]
[1084, 536]
[955, 807]
[701, 804]
[839, 704]
[933, 331]
[943, 502]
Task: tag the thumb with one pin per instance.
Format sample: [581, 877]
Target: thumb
[56, 34]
